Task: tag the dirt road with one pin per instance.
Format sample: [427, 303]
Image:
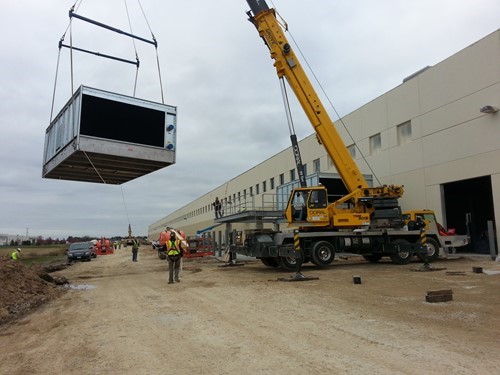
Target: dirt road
[123, 318]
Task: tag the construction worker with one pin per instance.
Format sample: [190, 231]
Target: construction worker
[14, 254]
[174, 254]
[217, 206]
[299, 206]
[135, 249]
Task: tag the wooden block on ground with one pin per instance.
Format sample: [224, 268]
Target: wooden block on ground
[439, 298]
[444, 295]
[439, 292]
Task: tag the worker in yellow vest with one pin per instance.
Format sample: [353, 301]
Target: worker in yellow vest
[135, 249]
[174, 254]
[14, 254]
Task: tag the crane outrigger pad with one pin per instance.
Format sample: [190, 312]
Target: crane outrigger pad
[426, 267]
[105, 137]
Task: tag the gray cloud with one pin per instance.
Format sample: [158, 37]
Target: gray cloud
[219, 74]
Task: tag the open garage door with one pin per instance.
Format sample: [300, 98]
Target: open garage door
[474, 197]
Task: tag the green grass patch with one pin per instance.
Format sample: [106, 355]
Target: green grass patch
[45, 259]
[37, 254]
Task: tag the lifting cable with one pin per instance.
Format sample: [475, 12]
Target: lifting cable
[104, 182]
[293, 137]
[72, 15]
[285, 26]
[95, 169]
[125, 205]
[156, 49]
[55, 84]
[57, 65]
[71, 47]
[135, 48]
[291, 127]
[153, 41]
[71, 53]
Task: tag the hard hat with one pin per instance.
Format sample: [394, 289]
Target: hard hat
[18, 250]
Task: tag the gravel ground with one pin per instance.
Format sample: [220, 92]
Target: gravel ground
[121, 317]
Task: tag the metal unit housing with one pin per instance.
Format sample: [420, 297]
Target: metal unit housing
[105, 137]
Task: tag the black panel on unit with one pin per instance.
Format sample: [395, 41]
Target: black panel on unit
[114, 120]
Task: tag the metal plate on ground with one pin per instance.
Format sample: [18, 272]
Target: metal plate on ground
[298, 276]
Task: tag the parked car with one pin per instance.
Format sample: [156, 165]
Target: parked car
[80, 251]
[93, 250]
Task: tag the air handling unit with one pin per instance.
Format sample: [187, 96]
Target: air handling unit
[105, 137]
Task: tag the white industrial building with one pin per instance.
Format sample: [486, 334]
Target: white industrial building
[15, 239]
[438, 134]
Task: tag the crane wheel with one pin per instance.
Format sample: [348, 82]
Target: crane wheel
[402, 255]
[270, 262]
[291, 264]
[322, 253]
[432, 251]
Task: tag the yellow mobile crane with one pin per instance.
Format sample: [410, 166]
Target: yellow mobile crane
[356, 208]
[367, 221]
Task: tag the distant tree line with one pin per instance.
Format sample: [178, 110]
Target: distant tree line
[41, 241]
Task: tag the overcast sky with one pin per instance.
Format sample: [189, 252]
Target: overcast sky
[218, 73]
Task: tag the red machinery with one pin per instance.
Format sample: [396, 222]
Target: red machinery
[199, 247]
[104, 247]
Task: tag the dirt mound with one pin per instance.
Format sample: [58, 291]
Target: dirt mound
[23, 288]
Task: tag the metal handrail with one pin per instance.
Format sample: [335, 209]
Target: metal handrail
[261, 202]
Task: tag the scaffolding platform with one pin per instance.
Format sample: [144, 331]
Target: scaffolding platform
[105, 137]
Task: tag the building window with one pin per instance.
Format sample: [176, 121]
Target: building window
[244, 193]
[375, 144]
[305, 169]
[352, 151]
[239, 196]
[251, 191]
[264, 186]
[271, 183]
[404, 133]
[330, 162]
[316, 165]
[257, 189]
[282, 179]
[292, 174]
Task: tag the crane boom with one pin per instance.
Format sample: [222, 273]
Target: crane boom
[288, 66]
[358, 206]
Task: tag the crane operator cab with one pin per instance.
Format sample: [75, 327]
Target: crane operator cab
[308, 206]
